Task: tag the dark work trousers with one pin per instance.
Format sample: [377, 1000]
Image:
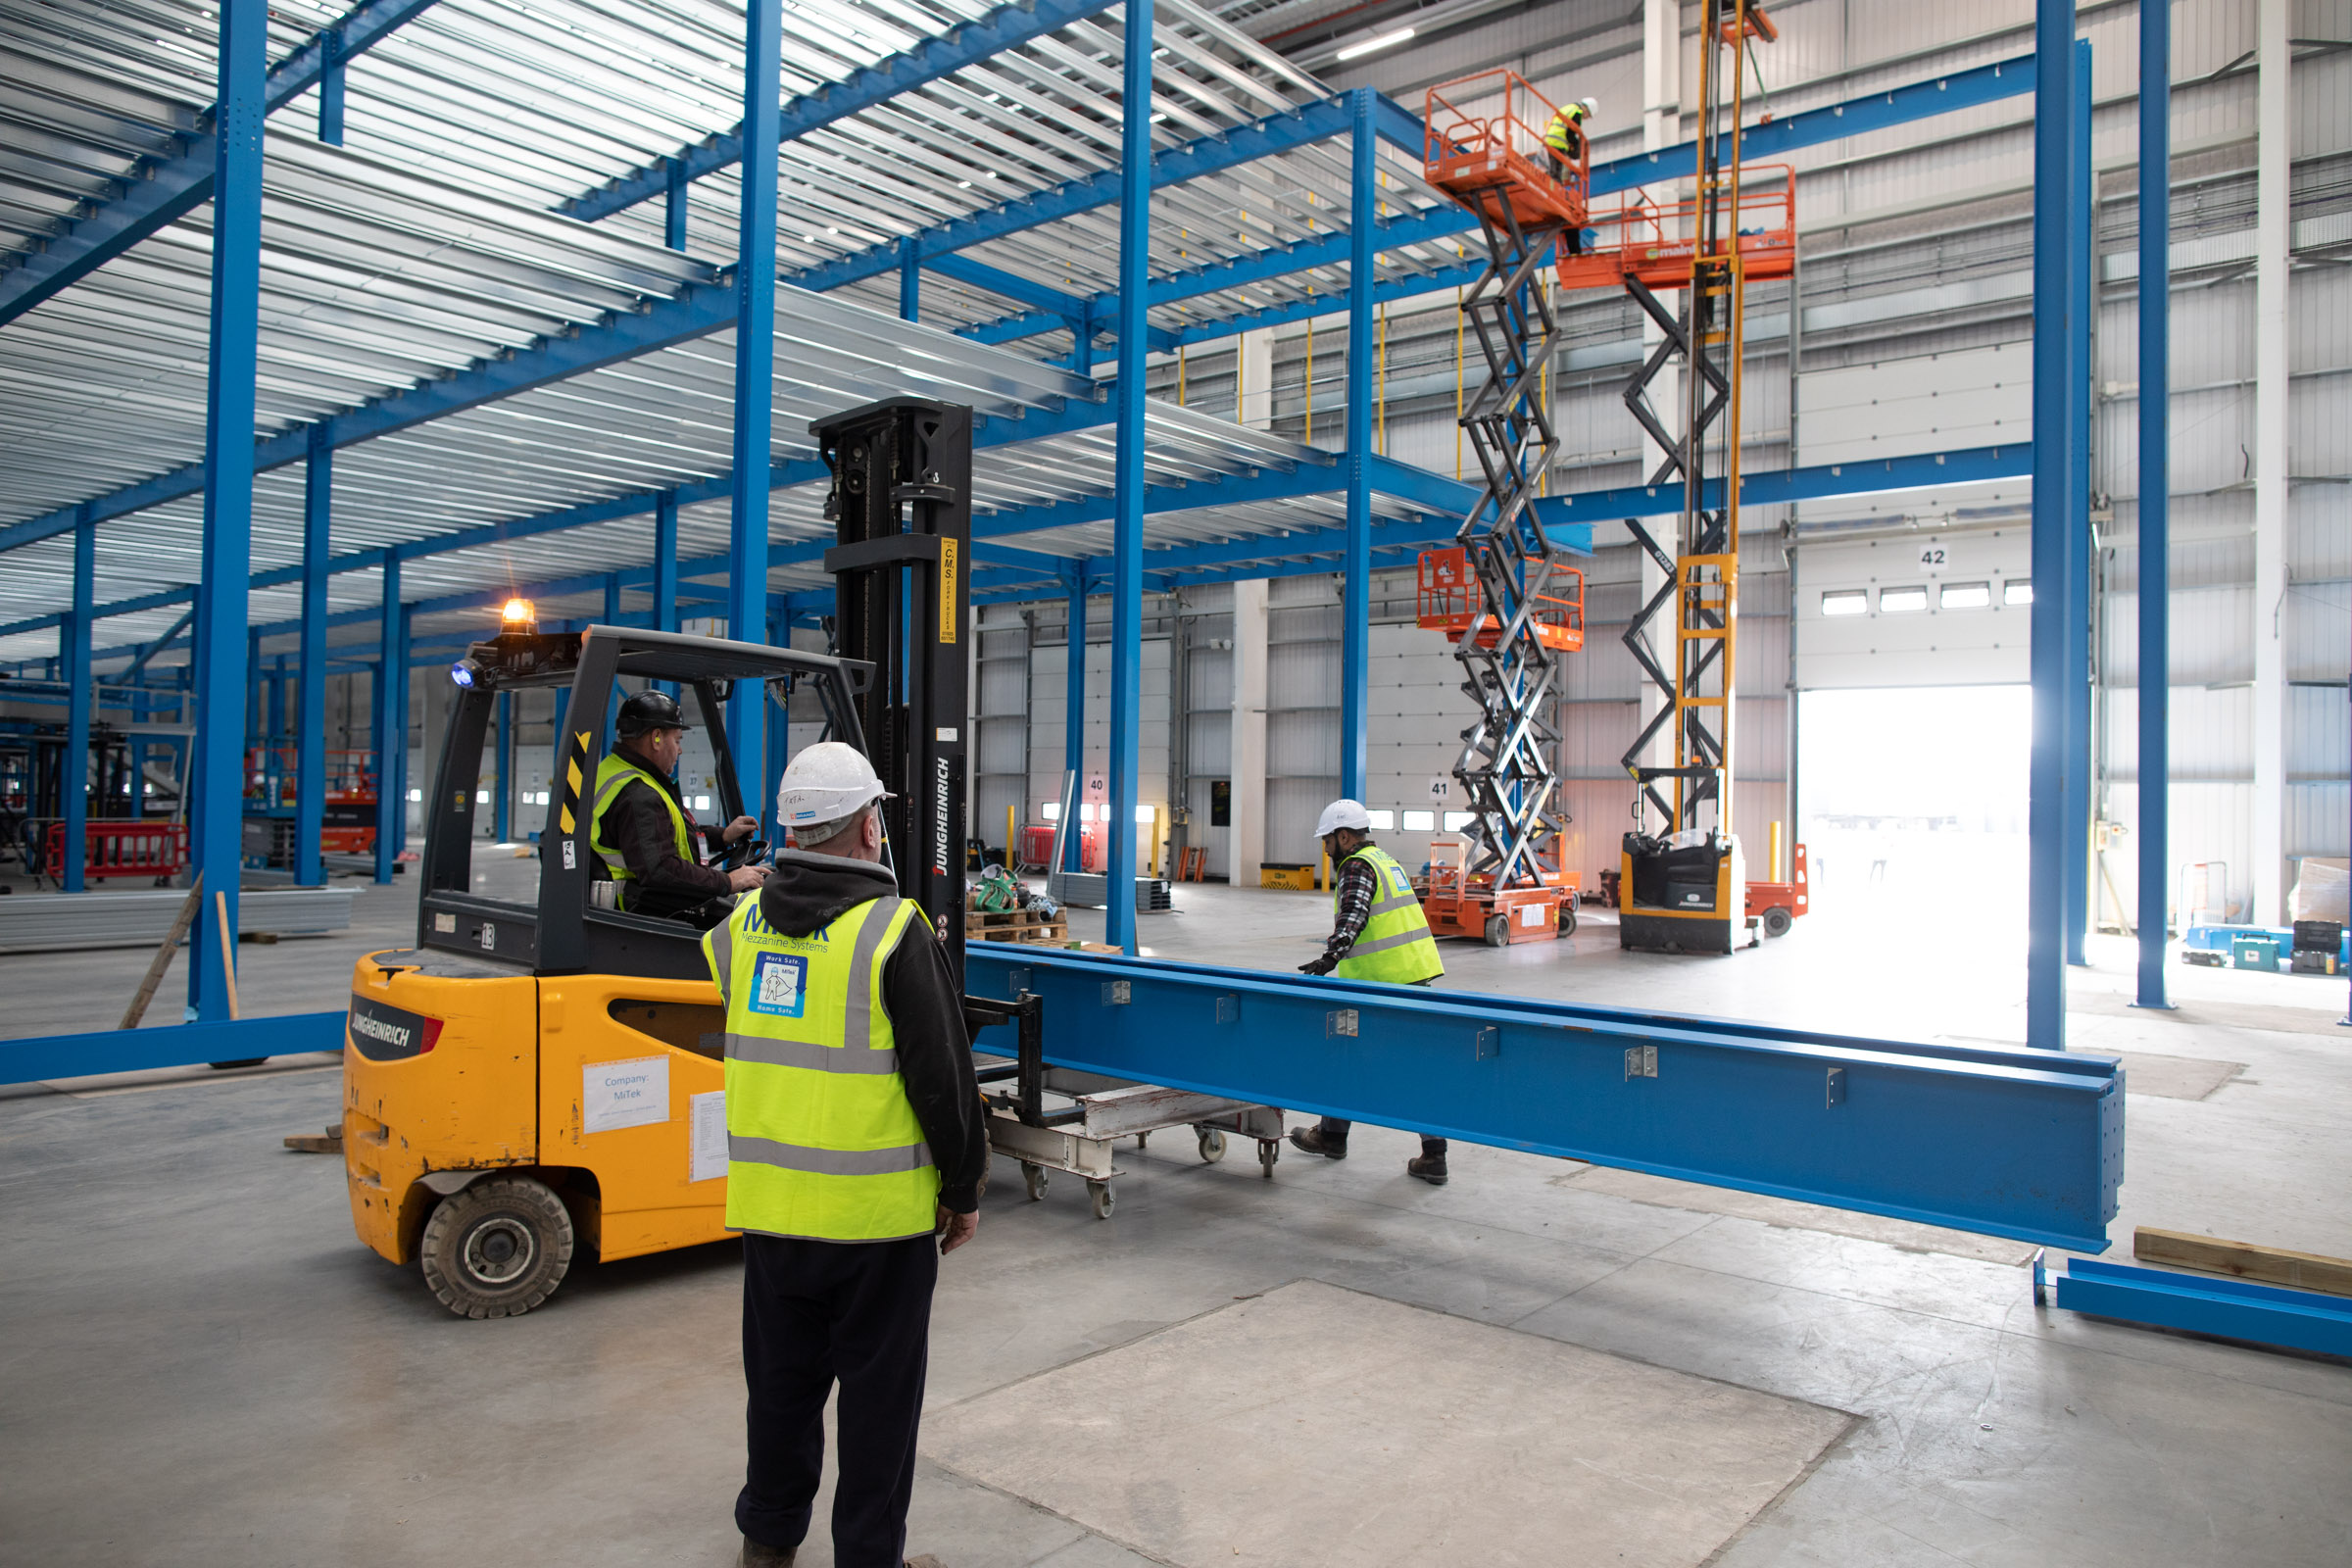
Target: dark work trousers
[1334, 1129]
[817, 1311]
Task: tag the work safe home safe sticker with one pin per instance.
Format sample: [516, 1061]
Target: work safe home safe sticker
[777, 986]
[624, 1094]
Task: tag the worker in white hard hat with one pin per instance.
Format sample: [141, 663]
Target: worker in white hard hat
[1378, 933]
[855, 1152]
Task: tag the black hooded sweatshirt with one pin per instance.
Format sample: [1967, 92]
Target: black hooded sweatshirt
[806, 893]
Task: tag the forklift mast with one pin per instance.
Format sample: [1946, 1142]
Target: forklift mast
[902, 499]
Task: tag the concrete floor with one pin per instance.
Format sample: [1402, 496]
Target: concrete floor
[202, 1366]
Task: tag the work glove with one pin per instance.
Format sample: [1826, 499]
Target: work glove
[1321, 964]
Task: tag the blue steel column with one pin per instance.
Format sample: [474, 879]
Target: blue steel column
[2155, 492]
[755, 367]
[673, 217]
[1355, 610]
[910, 281]
[216, 835]
[402, 634]
[391, 726]
[1127, 528]
[666, 562]
[1073, 717]
[74, 770]
[2082, 295]
[502, 821]
[612, 598]
[310, 757]
[2053, 298]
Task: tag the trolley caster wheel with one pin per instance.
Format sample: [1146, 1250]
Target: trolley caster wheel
[1034, 1178]
[1568, 917]
[497, 1248]
[1143, 1140]
[1212, 1145]
[1776, 921]
[1499, 931]
[1100, 1192]
[1268, 1151]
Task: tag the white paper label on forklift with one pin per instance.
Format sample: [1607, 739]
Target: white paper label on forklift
[707, 1143]
[624, 1094]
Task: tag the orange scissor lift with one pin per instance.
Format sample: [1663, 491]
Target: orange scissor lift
[1503, 593]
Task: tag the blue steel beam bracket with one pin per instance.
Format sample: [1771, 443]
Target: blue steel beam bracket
[2003, 1142]
[2226, 1308]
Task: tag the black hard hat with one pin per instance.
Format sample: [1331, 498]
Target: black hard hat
[649, 710]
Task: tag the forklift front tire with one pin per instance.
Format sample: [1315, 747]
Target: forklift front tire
[497, 1248]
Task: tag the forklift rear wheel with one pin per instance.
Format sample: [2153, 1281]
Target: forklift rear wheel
[1776, 921]
[498, 1247]
[1499, 931]
[1212, 1145]
[1568, 916]
[1100, 1192]
[1034, 1176]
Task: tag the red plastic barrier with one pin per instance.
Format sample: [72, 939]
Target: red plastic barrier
[125, 848]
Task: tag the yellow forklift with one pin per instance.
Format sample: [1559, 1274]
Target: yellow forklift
[539, 1076]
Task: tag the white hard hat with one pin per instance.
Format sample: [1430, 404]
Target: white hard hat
[1343, 814]
[1588, 106]
[825, 783]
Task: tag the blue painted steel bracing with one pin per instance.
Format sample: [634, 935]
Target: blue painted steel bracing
[1878, 476]
[2155, 495]
[754, 369]
[1355, 560]
[1136, 177]
[218, 782]
[190, 1044]
[2054, 229]
[2230, 1310]
[175, 187]
[1005, 27]
[2009, 1142]
[310, 761]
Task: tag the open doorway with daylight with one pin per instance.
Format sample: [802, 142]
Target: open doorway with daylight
[1914, 808]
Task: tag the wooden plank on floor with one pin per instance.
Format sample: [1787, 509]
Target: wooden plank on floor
[2246, 1260]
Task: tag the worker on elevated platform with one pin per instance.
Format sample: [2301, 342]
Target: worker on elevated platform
[855, 1151]
[645, 837]
[1378, 933]
[1565, 142]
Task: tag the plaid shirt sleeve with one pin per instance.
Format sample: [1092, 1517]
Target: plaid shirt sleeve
[1359, 883]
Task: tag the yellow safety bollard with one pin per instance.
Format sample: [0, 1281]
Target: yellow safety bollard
[1009, 838]
[1775, 852]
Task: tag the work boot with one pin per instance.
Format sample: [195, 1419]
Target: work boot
[1313, 1140]
[1431, 1168]
[759, 1555]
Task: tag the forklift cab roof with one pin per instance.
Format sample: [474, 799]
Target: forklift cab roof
[562, 931]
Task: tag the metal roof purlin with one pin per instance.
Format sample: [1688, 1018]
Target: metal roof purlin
[1002, 28]
[177, 186]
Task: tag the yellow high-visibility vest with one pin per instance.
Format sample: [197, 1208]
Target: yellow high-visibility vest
[1395, 945]
[821, 1141]
[613, 775]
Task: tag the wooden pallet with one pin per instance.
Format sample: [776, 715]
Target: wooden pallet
[1056, 931]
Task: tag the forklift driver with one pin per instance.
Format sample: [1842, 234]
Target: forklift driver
[645, 837]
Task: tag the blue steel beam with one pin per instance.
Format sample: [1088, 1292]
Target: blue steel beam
[2076, 600]
[217, 779]
[1005, 27]
[1131, 477]
[755, 370]
[163, 191]
[1821, 481]
[2155, 494]
[2229, 1310]
[2054, 229]
[390, 710]
[2003, 1142]
[187, 1045]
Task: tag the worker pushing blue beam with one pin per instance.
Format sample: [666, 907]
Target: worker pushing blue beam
[2155, 492]
[2054, 123]
[217, 780]
[1129, 480]
[754, 369]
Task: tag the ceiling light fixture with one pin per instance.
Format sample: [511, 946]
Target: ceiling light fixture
[1356, 50]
